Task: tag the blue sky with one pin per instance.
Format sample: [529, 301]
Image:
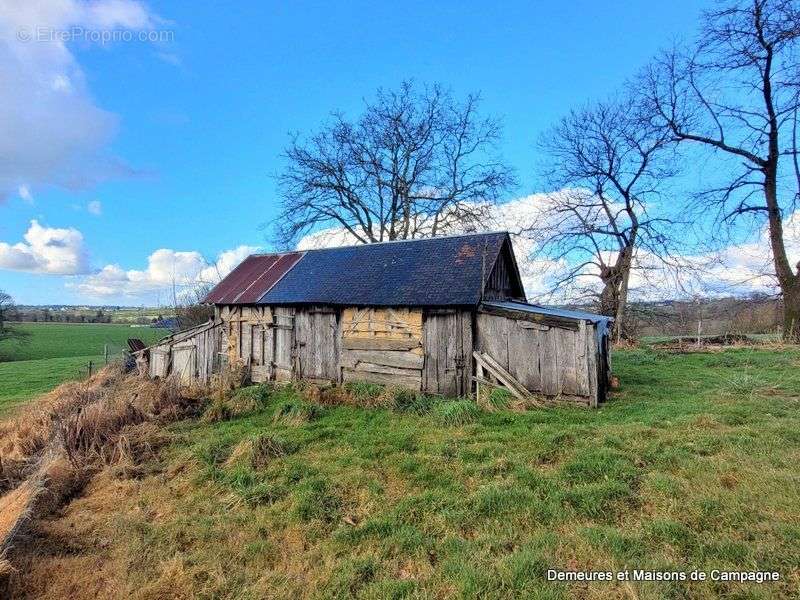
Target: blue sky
[189, 131]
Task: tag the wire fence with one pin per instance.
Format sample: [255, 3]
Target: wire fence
[112, 353]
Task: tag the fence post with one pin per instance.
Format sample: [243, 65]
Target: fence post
[105, 353]
[90, 368]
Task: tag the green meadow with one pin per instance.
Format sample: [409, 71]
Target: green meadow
[692, 464]
[57, 352]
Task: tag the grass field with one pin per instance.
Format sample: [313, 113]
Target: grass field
[693, 464]
[57, 352]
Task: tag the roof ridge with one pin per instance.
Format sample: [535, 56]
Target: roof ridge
[407, 240]
[421, 239]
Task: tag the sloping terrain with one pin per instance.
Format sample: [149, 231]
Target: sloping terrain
[372, 493]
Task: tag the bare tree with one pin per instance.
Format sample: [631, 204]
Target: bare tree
[190, 308]
[416, 163]
[610, 164]
[736, 92]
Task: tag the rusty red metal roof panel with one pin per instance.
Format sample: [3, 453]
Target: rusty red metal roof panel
[268, 278]
[252, 278]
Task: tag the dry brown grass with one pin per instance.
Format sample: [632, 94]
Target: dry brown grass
[15, 507]
[53, 447]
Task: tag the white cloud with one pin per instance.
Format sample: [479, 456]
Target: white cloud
[165, 268]
[25, 193]
[95, 207]
[46, 250]
[738, 269]
[51, 130]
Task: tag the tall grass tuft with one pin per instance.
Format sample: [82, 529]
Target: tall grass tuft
[497, 399]
[317, 500]
[296, 412]
[236, 403]
[456, 412]
[265, 448]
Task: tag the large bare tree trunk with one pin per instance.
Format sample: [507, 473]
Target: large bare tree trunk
[788, 281]
[622, 302]
[609, 295]
[614, 295]
[791, 313]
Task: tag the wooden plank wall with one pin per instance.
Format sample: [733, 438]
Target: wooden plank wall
[549, 359]
[192, 354]
[428, 350]
[382, 345]
[260, 337]
[448, 352]
[283, 349]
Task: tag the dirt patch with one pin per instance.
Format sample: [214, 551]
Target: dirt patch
[68, 555]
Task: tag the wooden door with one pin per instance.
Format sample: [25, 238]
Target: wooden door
[317, 340]
[283, 353]
[184, 362]
[447, 342]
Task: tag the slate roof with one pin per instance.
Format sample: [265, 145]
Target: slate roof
[443, 271]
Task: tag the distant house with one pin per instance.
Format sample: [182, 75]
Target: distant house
[437, 315]
[166, 323]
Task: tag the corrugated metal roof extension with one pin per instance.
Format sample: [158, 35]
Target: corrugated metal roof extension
[548, 310]
[603, 322]
[254, 276]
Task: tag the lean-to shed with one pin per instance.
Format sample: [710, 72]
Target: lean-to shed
[435, 315]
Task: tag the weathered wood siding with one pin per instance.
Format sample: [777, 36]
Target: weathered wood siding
[192, 354]
[283, 335]
[382, 345]
[428, 350]
[260, 338]
[501, 283]
[317, 341]
[447, 352]
[555, 359]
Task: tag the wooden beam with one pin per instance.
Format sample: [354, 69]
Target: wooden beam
[388, 358]
[379, 344]
[504, 377]
[375, 368]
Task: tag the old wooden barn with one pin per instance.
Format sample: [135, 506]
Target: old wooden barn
[439, 315]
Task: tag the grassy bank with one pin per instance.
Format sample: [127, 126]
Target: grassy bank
[692, 465]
